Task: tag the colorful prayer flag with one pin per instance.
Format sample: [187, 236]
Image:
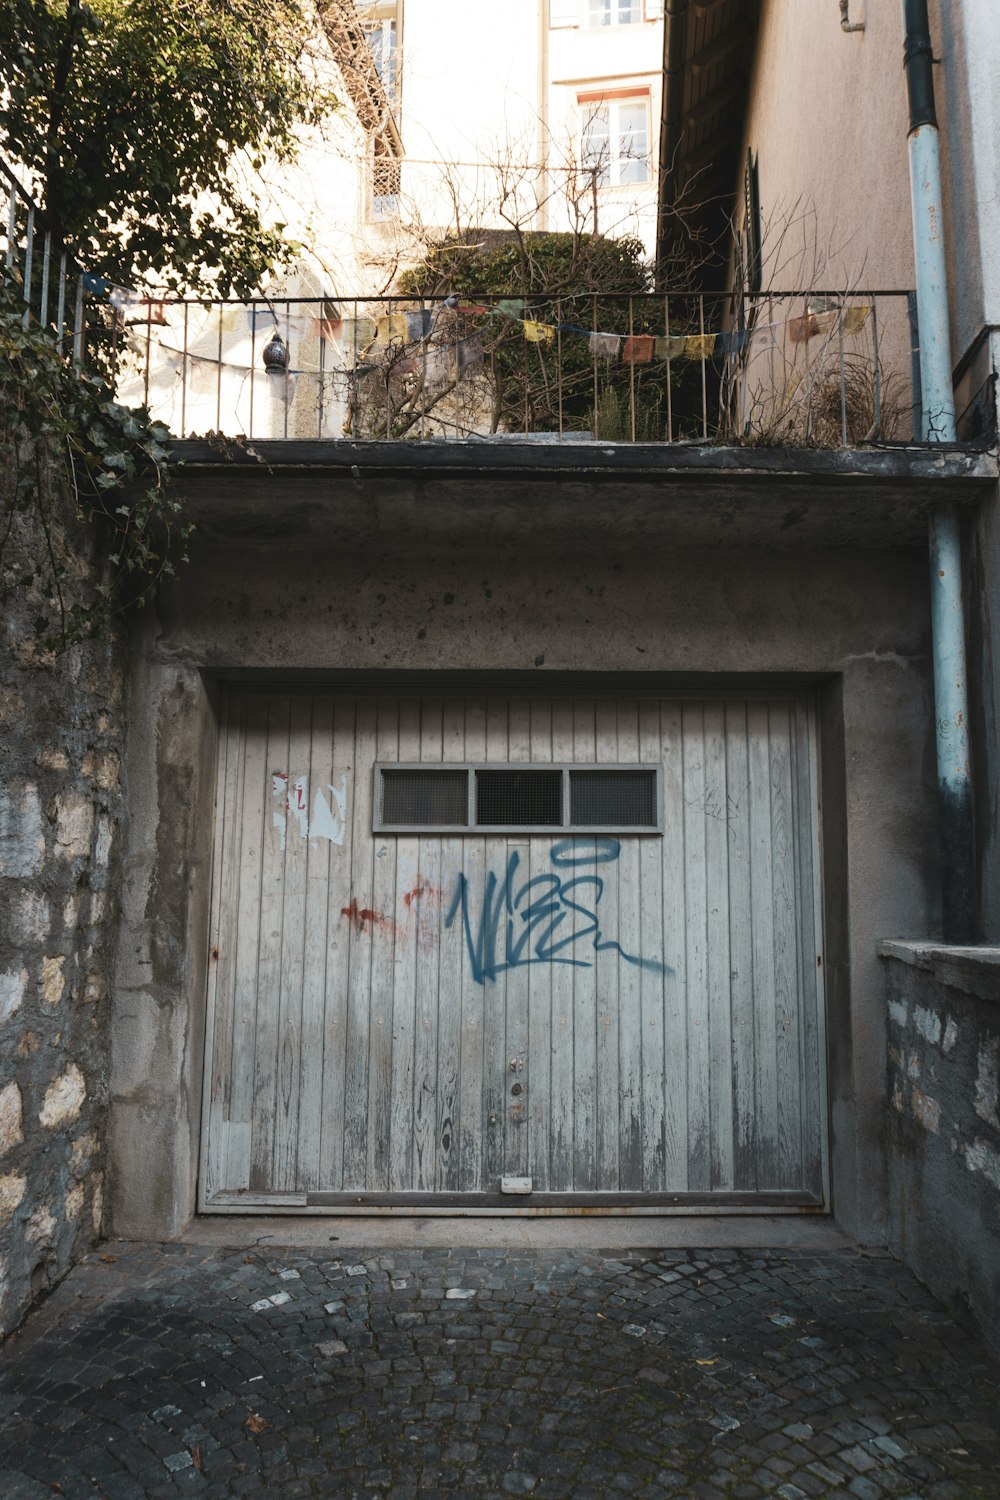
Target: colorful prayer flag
[328, 328]
[735, 341]
[437, 368]
[605, 345]
[700, 345]
[358, 333]
[469, 356]
[670, 346]
[855, 319]
[538, 333]
[391, 328]
[638, 349]
[418, 324]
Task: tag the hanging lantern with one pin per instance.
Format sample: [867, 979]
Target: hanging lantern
[275, 355]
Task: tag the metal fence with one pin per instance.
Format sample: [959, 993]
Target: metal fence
[819, 367]
[39, 266]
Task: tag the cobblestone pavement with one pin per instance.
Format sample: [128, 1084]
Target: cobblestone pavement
[177, 1369]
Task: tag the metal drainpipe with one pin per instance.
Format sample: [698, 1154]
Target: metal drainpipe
[947, 613]
[846, 24]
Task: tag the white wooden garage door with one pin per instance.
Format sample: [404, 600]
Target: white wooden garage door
[515, 1020]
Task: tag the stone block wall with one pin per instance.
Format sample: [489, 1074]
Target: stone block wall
[60, 753]
[944, 1122]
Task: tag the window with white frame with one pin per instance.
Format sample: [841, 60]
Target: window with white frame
[614, 140]
[381, 35]
[566, 13]
[614, 12]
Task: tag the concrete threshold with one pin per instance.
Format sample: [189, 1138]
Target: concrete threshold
[702, 1231]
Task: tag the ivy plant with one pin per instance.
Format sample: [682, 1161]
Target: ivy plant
[72, 457]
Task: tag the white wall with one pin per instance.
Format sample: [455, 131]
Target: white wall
[828, 118]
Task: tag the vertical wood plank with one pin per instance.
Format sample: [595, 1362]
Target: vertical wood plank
[340, 930]
[471, 1125]
[269, 959]
[425, 1076]
[383, 941]
[696, 902]
[627, 920]
[495, 1059]
[675, 1128]
[741, 950]
[359, 968]
[585, 1007]
[786, 949]
[517, 981]
[293, 921]
[254, 808]
[537, 1080]
[322, 853]
[448, 1175]
[607, 970]
[762, 930]
[813, 1024]
[410, 917]
[651, 996]
[561, 1092]
[222, 963]
[718, 810]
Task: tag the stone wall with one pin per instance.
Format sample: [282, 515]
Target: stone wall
[60, 753]
[944, 1122]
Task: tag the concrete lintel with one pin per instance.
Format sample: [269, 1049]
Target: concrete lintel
[573, 459]
[975, 971]
[408, 498]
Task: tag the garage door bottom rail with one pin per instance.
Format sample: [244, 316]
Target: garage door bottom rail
[520, 1205]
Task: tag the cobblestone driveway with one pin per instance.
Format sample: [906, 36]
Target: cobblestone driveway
[166, 1370]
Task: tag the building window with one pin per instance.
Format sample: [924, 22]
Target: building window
[386, 173]
[614, 12]
[614, 141]
[381, 37]
[564, 13]
[517, 799]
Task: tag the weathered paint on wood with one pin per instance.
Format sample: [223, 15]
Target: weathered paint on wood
[399, 1015]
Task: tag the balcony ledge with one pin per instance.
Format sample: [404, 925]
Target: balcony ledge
[690, 494]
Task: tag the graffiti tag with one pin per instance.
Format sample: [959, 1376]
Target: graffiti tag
[524, 923]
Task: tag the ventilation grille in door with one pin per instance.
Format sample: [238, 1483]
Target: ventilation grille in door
[521, 798]
[426, 799]
[612, 799]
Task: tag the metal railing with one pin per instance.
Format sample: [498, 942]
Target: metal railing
[825, 368]
[50, 284]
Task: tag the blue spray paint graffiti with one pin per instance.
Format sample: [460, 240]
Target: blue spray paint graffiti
[518, 925]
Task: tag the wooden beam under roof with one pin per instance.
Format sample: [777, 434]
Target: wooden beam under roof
[702, 81]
